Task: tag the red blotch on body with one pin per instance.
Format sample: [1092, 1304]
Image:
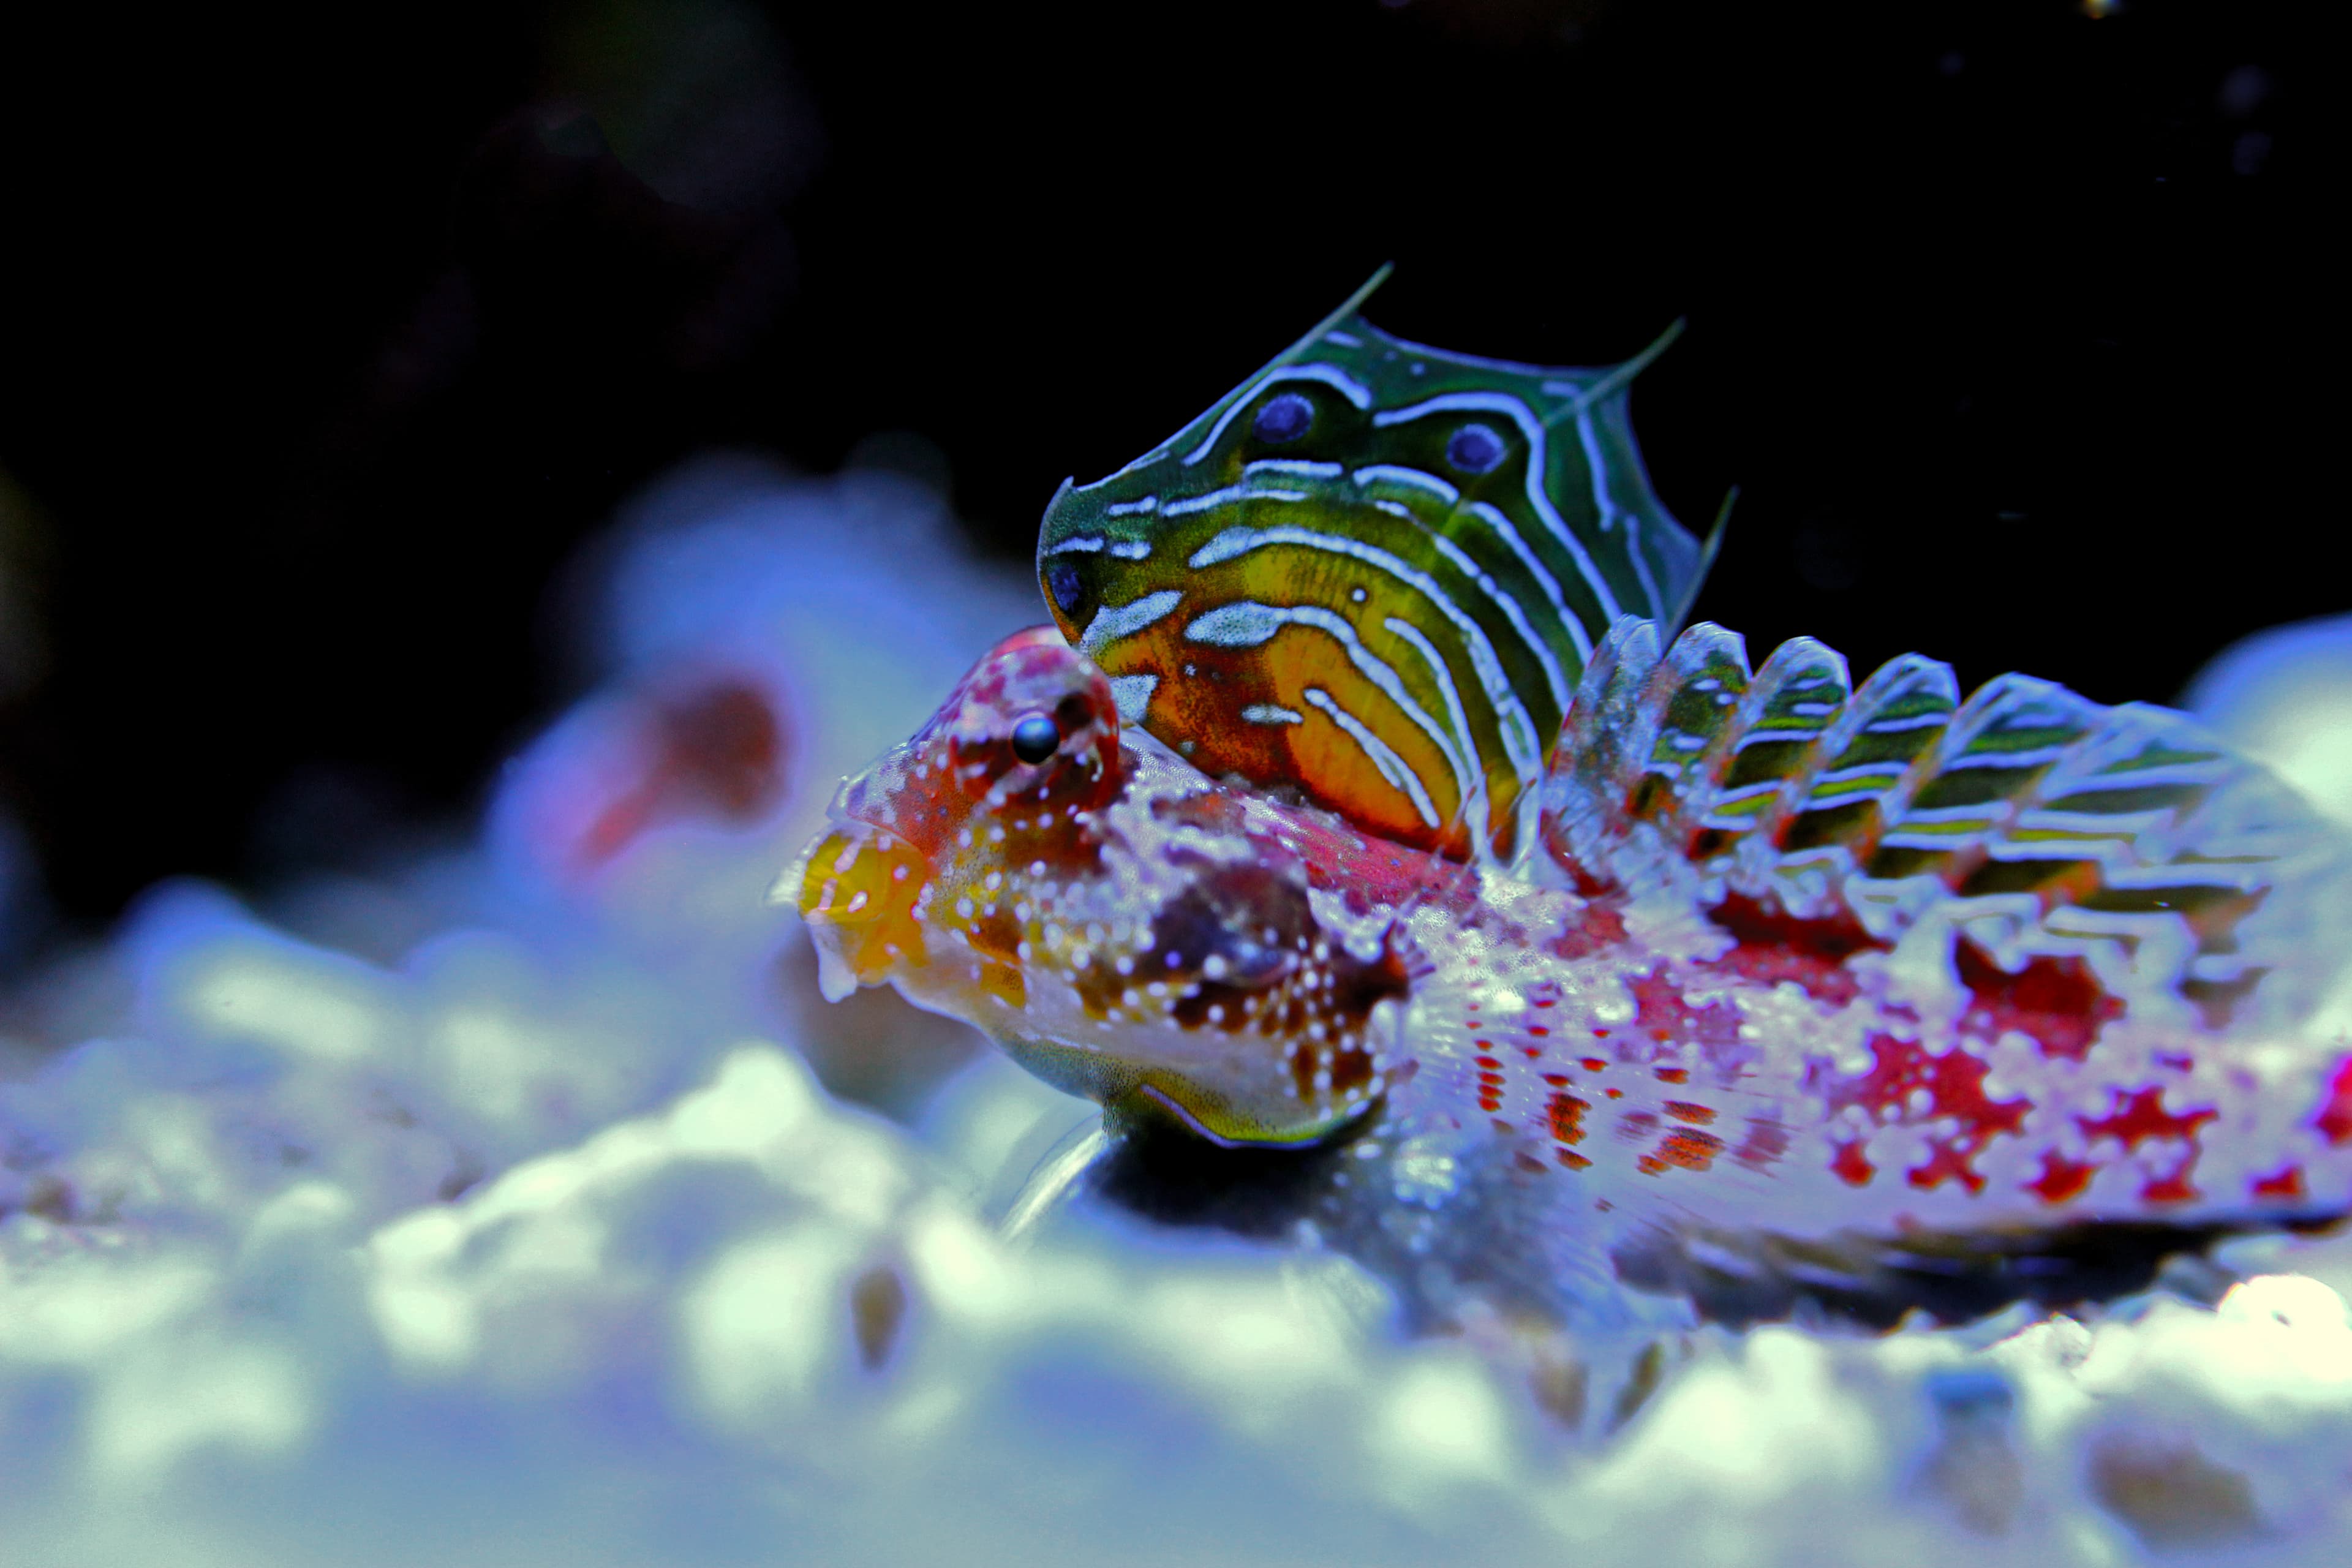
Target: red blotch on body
[1660, 1012]
[2335, 1119]
[1947, 1161]
[2056, 1002]
[1683, 1147]
[1772, 946]
[1851, 1166]
[2287, 1181]
[1565, 1114]
[2172, 1187]
[1490, 1084]
[2140, 1117]
[1954, 1085]
[2061, 1178]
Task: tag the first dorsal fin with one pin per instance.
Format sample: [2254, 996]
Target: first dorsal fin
[2029, 817]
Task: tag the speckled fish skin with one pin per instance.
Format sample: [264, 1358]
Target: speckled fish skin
[1126, 928]
[1680, 1016]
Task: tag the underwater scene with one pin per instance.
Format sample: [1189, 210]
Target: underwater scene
[533, 1205]
[734, 830]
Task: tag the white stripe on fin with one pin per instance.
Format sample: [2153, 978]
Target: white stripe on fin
[1272, 713]
[1247, 624]
[1391, 766]
[1132, 693]
[1114, 622]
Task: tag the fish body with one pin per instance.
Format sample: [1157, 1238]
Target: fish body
[1359, 802]
[1788, 977]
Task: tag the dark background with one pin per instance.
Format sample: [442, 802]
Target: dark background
[327, 336]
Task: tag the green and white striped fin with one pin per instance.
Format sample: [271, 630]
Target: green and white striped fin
[1373, 572]
[2033, 820]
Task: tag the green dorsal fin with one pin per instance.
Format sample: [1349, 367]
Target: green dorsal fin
[2035, 820]
[1374, 572]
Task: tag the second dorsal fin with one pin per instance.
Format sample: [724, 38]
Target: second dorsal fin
[2031, 819]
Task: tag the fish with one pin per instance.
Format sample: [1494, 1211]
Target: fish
[1371, 837]
[1373, 572]
[1797, 989]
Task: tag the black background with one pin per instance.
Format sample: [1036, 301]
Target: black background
[327, 336]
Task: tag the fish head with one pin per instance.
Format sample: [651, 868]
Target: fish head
[1026, 744]
[1125, 927]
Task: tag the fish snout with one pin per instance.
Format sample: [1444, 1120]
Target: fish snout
[858, 888]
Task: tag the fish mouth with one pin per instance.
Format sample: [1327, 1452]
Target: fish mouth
[856, 886]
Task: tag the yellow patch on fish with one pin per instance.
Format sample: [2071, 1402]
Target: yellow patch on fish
[863, 883]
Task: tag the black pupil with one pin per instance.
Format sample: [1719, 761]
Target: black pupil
[1283, 418]
[1474, 449]
[1062, 582]
[1035, 738]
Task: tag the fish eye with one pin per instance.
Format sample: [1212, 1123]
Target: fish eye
[1062, 580]
[1474, 449]
[1035, 738]
[1285, 417]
